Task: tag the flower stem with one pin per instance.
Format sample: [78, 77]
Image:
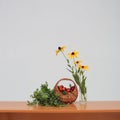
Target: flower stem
[64, 56]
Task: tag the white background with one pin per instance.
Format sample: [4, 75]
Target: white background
[31, 31]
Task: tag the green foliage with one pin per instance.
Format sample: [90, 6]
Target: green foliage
[45, 97]
[76, 78]
[80, 79]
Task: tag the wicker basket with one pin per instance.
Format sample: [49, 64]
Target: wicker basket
[70, 96]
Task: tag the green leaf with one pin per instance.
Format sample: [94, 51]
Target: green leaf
[83, 87]
[76, 78]
[69, 70]
[69, 66]
[68, 61]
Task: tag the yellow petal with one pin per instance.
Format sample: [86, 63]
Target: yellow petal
[57, 51]
[86, 67]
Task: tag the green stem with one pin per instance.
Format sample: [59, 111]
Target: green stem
[74, 64]
[64, 56]
[83, 97]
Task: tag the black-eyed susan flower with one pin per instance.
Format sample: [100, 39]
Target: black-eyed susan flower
[60, 49]
[78, 62]
[73, 54]
[83, 67]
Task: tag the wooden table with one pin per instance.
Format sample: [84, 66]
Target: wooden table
[99, 110]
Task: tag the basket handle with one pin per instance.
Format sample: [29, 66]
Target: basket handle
[68, 79]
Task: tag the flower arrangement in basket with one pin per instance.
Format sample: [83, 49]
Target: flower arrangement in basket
[77, 69]
[67, 95]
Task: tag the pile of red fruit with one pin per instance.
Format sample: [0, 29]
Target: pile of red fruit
[65, 90]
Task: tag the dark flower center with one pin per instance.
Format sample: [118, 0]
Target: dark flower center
[82, 66]
[73, 53]
[59, 48]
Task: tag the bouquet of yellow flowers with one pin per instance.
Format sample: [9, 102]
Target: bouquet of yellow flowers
[77, 70]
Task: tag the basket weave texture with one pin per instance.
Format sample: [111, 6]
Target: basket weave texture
[70, 97]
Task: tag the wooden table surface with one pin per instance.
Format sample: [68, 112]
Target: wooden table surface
[105, 110]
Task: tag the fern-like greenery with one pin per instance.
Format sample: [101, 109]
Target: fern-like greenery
[45, 96]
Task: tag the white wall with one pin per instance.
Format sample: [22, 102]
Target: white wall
[31, 31]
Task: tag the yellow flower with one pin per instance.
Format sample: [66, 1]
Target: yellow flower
[83, 67]
[60, 49]
[77, 62]
[73, 54]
